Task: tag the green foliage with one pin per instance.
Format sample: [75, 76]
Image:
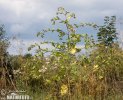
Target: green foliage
[63, 75]
[68, 37]
[3, 41]
[28, 55]
[107, 34]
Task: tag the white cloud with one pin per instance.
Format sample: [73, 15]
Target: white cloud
[120, 36]
[28, 16]
[23, 16]
[19, 46]
[17, 28]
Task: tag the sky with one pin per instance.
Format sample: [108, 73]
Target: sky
[24, 18]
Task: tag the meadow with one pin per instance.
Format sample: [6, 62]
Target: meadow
[93, 71]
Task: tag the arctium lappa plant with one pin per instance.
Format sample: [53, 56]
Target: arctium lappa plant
[68, 37]
[62, 48]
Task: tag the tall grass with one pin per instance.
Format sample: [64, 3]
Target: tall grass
[95, 77]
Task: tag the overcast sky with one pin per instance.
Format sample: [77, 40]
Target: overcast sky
[24, 18]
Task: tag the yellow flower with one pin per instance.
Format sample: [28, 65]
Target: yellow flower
[100, 77]
[85, 66]
[64, 89]
[68, 17]
[95, 68]
[73, 51]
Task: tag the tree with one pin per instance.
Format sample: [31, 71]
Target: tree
[107, 34]
[28, 55]
[108, 55]
[6, 71]
[4, 43]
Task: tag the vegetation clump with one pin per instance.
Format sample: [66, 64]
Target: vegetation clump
[77, 67]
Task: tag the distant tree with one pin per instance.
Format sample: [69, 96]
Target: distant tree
[6, 70]
[4, 43]
[28, 55]
[107, 34]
